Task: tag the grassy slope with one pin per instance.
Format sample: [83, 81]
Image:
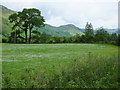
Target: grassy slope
[45, 65]
[6, 26]
[65, 30]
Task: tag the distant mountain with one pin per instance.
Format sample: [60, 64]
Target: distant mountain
[6, 26]
[112, 30]
[5, 10]
[65, 30]
[108, 30]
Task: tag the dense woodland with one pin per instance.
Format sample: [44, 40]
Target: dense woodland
[23, 32]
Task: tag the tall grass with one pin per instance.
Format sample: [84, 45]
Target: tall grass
[90, 71]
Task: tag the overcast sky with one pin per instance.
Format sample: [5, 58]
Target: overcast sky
[78, 12]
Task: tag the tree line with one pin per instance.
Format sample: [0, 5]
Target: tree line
[23, 22]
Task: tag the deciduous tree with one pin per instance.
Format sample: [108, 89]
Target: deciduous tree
[27, 19]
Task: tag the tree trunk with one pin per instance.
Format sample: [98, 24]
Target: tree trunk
[30, 36]
[26, 36]
[16, 37]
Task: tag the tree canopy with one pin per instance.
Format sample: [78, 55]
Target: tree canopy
[26, 20]
[102, 35]
[89, 32]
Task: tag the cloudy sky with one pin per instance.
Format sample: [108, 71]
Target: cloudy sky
[101, 13]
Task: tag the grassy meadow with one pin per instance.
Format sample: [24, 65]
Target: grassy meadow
[59, 66]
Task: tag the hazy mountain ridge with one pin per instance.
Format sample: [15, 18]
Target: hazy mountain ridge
[5, 10]
[6, 26]
[112, 30]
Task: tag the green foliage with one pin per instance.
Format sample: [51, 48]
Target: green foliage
[3, 39]
[35, 36]
[89, 36]
[44, 38]
[26, 20]
[113, 38]
[77, 38]
[93, 72]
[102, 35]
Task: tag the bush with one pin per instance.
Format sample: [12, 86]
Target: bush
[4, 39]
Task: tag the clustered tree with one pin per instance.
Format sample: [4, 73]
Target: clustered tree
[89, 35]
[24, 21]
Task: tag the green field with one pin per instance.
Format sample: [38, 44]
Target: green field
[59, 66]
